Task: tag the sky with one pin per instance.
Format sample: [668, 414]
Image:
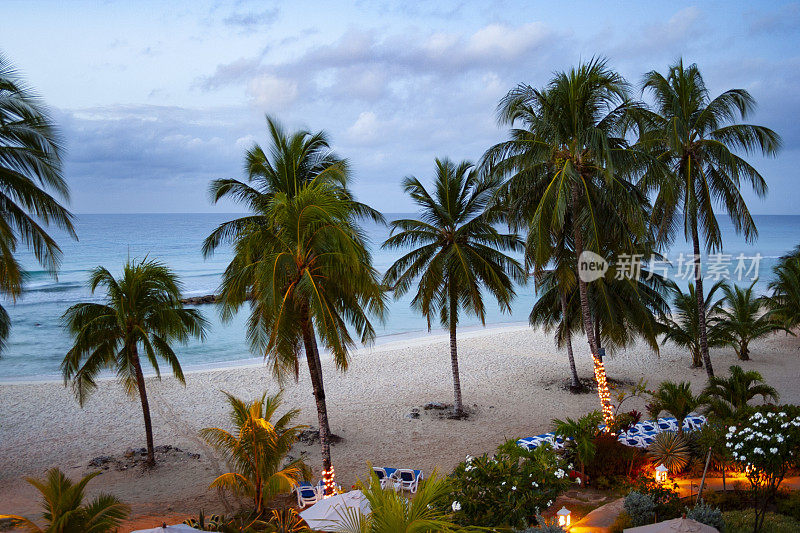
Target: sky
[155, 99]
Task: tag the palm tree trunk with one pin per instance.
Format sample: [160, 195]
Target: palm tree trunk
[148, 425]
[744, 352]
[458, 408]
[315, 370]
[599, 369]
[701, 305]
[576, 382]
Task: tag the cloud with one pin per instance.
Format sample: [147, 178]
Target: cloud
[269, 92]
[229, 73]
[252, 21]
[785, 19]
[365, 129]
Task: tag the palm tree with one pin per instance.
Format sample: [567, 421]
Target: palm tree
[570, 160]
[728, 397]
[257, 450]
[300, 259]
[581, 434]
[676, 399]
[142, 312]
[697, 138]
[683, 328]
[391, 512]
[784, 302]
[459, 253]
[64, 510]
[740, 320]
[31, 186]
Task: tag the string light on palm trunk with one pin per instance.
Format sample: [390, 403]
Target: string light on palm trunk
[603, 392]
[328, 479]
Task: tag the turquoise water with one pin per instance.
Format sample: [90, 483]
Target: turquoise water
[37, 343]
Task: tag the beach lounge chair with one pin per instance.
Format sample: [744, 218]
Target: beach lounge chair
[306, 494]
[408, 479]
[385, 476]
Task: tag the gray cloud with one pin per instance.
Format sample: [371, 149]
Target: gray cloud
[252, 21]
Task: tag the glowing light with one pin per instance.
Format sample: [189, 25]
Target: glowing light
[328, 479]
[661, 474]
[604, 393]
[564, 517]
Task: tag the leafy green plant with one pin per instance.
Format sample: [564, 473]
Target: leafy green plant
[670, 449]
[509, 488]
[706, 514]
[667, 500]
[257, 450]
[580, 435]
[742, 522]
[676, 399]
[542, 527]
[613, 461]
[205, 523]
[287, 520]
[640, 507]
[65, 511]
[784, 300]
[728, 398]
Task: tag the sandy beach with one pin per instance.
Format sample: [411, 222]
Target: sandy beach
[511, 376]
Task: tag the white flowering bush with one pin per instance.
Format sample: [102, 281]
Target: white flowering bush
[508, 489]
[766, 446]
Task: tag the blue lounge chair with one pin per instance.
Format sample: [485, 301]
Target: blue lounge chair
[408, 479]
[306, 494]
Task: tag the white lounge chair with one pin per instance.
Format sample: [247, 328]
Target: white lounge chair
[408, 479]
[307, 494]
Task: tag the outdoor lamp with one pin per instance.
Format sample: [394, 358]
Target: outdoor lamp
[661, 473]
[563, 517]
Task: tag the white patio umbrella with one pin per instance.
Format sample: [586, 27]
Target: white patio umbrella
[326, 514]
[177, 528]
[676, 525]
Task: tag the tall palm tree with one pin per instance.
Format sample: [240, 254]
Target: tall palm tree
[300, 258]
[740, 319]
[257, 450]
[728, 397]
[32, 186]
[682, 327]
[570, 157]
[458, 254]
[784, 300]
[697, 138]
[142, 312]
[65, 511]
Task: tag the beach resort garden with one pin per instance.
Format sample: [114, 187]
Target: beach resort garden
[586, 169]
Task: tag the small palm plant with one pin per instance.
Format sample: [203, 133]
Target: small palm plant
[784, 301]
[676, 399]
[581, 433]
[142, 314]
[391, 512]
[257, 450]
[458, 255]
[670, 449]
[729, 397]
[683, 327]
[64, 510]
[740, 319]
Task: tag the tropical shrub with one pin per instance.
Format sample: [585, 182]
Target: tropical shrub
[740, 320]
[581, 434]
[784, 302]
[621, 523]
[508, 489]
[670, 449]
[728, 398]
[543, 527]
[706, 514]
[766, 446]
[640, 507]
[676, 399]
[666, 498]
[612, 459]
[64, 510]
[205, 523]
[257, 450]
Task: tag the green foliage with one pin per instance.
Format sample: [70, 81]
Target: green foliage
[676, 399]
[542, 527]
[742, 522]
[666, 498]
[706, 514]
[788, 503]
[581, 434]
[508, 489]
[392, 512]
[621, 523]
[640, 507]
[257, 450]
[740, 321]
[682, 327]
[728, 398]
[65, 511]
[32, 186]
[784, 300]
[670, 449]
[205, 523]
[287, 520]
[613, 461]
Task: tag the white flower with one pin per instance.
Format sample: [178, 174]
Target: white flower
[732, 429]
[469, 459]
[549, 503]
[560, 474]
[773, 450]
[578, 480]
[779, 438]
[514, 487]
[758, 450]
[456, 506]
[503, 483]
[534, 484]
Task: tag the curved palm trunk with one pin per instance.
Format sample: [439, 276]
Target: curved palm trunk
[148, 425]
[458, 408]
[599, 369]
[576, 382]
[701, 305]
[315, 370]
[744, 352]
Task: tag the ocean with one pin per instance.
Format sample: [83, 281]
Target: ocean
[38, 343]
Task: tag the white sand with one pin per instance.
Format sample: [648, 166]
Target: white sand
[512, 375]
